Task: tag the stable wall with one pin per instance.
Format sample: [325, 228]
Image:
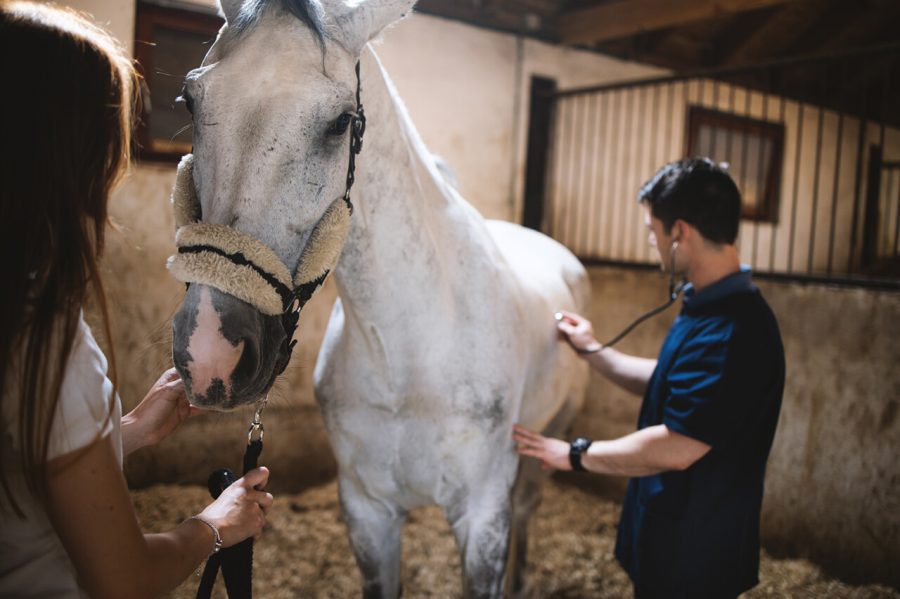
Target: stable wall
[834, 481]
[455, 80]
[621, 137]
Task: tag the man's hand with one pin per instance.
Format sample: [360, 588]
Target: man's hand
[578, 331]
[158, 414]
[553, 453]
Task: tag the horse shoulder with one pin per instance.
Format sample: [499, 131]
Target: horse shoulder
[542, 264]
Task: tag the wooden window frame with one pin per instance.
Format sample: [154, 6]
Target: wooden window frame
[767, 210]
[148, 17]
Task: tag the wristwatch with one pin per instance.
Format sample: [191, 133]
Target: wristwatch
[576, 448]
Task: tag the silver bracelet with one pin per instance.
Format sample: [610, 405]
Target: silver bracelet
[215, 531]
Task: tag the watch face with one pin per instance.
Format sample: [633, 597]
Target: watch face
[580, 444]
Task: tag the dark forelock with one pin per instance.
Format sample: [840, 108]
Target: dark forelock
[309, 13]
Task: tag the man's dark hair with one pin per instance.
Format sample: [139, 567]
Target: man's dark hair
[699, 192]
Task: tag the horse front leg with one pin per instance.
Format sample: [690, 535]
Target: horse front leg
[482, 528]
[374, 527]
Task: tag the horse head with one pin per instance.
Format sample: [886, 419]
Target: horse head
[263, 205]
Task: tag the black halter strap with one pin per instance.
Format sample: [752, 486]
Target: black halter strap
[303, 293]
[357, 129]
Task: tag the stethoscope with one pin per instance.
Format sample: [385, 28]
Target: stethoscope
[675, 290]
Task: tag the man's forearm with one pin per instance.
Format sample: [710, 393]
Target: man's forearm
[629, 372]
[646, 452]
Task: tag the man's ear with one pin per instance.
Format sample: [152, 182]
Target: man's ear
[681, 231]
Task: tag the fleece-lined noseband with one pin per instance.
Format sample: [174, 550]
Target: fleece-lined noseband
[242, 266]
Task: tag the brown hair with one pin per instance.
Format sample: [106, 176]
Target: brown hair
[70, 92]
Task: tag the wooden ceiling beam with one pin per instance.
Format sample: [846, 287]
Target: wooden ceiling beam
[738, 35]
[628, 17]
[774, 36]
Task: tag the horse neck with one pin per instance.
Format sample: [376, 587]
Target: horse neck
[409, 227]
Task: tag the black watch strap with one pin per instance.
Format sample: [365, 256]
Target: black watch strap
[576, 448]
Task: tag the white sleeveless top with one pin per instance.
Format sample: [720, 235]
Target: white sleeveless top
[33, 562]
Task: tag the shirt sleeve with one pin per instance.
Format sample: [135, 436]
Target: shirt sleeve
[697, 400]
[86, 409]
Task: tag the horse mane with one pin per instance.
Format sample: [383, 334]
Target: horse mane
[308, 12]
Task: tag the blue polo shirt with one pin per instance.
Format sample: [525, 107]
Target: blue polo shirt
[719, 379]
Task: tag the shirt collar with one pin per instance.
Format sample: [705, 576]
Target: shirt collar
[739, 282]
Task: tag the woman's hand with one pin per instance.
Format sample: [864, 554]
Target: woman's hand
[553, 453]
[158, 414]
[578, 331]
[240, 511]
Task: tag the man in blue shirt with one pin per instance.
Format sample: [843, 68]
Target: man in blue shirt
[690, 522]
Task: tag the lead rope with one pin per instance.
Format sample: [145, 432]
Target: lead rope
[236, 561]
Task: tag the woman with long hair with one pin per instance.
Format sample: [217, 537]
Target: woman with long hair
[68, 526]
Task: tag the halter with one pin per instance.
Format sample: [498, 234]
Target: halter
[242, 266]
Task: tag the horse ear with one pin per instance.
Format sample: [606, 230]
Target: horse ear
[356, 22]
[230, 9]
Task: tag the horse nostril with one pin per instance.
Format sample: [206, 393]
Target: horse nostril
[247, 370]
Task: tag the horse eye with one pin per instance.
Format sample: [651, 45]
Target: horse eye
[187, 99]
[340, 124]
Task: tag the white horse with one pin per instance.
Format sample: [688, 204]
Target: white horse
[443, 334]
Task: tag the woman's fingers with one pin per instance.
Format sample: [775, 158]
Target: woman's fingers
[262, 498]
[168, 376]
[256, 478]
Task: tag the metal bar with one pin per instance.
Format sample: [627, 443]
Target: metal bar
[760, 171]
[884, 109]
[790, 262]
[587, 191]
[857, 282]
[745, 141]
[572, 174]
[715, 106]
[671, 127]
[773, 242]
[873, 195]
[592, 224]
[728, 71]
[624, 163]
[629, 245]
[870, 226]
[729, 135]
[582, 199]
[607, 183]
[815, 196]
[619, 99]
[860, 162]
[654, 162]
[775, 229]
[837, 167]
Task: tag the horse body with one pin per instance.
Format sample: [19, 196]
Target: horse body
[442, 336]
